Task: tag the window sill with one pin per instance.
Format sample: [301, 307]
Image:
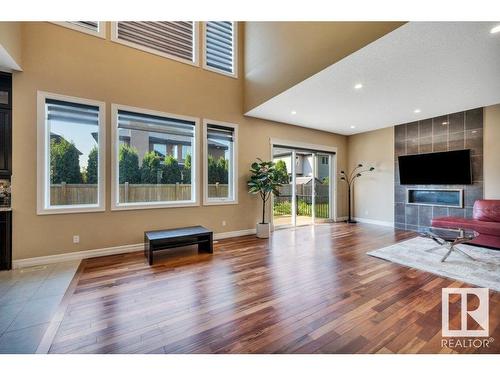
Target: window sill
[219, 71]
[148, 206]
[211, 202]
[70, 210]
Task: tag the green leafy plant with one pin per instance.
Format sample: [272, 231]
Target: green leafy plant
[282, 208]
[264, 180]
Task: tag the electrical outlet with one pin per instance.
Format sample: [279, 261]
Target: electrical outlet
[223, 223]
[76, 239]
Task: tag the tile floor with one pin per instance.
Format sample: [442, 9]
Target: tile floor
[29, 298]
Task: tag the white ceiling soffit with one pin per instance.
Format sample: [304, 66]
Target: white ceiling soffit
[7, 63]
[418, 71]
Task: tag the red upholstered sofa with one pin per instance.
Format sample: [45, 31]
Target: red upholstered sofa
[485, 220]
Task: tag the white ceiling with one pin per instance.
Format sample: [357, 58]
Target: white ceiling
[437, 67]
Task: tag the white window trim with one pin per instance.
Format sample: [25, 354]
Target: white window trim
[196, 62]
[43, 159]
[195, 185]
[233, 173]
[235, 52]
[101, 33]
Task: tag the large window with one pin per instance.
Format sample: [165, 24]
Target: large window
[220, 47]
[71, 149]
[173, 39]
[148, 171]
[220, 162]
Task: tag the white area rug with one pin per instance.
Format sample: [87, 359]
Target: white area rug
[484, 271]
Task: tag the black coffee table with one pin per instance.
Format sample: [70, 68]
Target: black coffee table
[449, 239]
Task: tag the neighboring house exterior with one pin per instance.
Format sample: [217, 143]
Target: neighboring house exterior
[58, 138]
[304, 165]
[177, 146]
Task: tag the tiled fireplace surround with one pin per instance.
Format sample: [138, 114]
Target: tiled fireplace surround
[457, 131]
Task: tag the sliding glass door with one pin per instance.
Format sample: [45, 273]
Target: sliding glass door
[304, 187]
[283, 210]
[322, 188]
[306, 192]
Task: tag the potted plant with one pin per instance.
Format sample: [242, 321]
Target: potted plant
[264, 181]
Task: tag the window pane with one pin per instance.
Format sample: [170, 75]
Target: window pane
[149, 169]
[186, 150]
[220, 161]
[220, 45]
[91, 25]
[175, 38]
[73, 153]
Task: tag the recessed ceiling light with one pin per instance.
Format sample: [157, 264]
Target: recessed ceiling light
[417, 111]
[357, 86]
[293, 112]
[352, 127]
[445, 122]
[495, 30]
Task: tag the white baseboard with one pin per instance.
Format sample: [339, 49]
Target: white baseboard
[375, 222]
[79, 255]
[76, 255]
[236, 233]
[341, 218]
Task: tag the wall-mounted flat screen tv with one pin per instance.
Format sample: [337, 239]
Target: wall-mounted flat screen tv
[437, 168]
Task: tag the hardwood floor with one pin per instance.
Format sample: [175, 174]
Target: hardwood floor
[305, 290]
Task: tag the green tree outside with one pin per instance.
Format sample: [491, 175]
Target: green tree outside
[128, 160]
[92, 167]
[64, 162]
[218, 170]
[171, 171]
[151, 170]
[186, 173]
[282, 172]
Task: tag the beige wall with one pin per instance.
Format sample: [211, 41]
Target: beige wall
[64, 61]
[374, 191]
[10, 41]
[278, 55]
[491, 147]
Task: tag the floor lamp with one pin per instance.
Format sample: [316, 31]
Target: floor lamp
[355, 173]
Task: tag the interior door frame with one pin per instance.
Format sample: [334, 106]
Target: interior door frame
[333, 151]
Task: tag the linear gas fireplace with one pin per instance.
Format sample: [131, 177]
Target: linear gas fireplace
[435, 197]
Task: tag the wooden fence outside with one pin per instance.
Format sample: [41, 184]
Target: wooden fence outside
[68, 194]
[305, 191]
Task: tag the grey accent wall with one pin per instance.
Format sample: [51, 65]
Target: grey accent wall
[456, 131]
